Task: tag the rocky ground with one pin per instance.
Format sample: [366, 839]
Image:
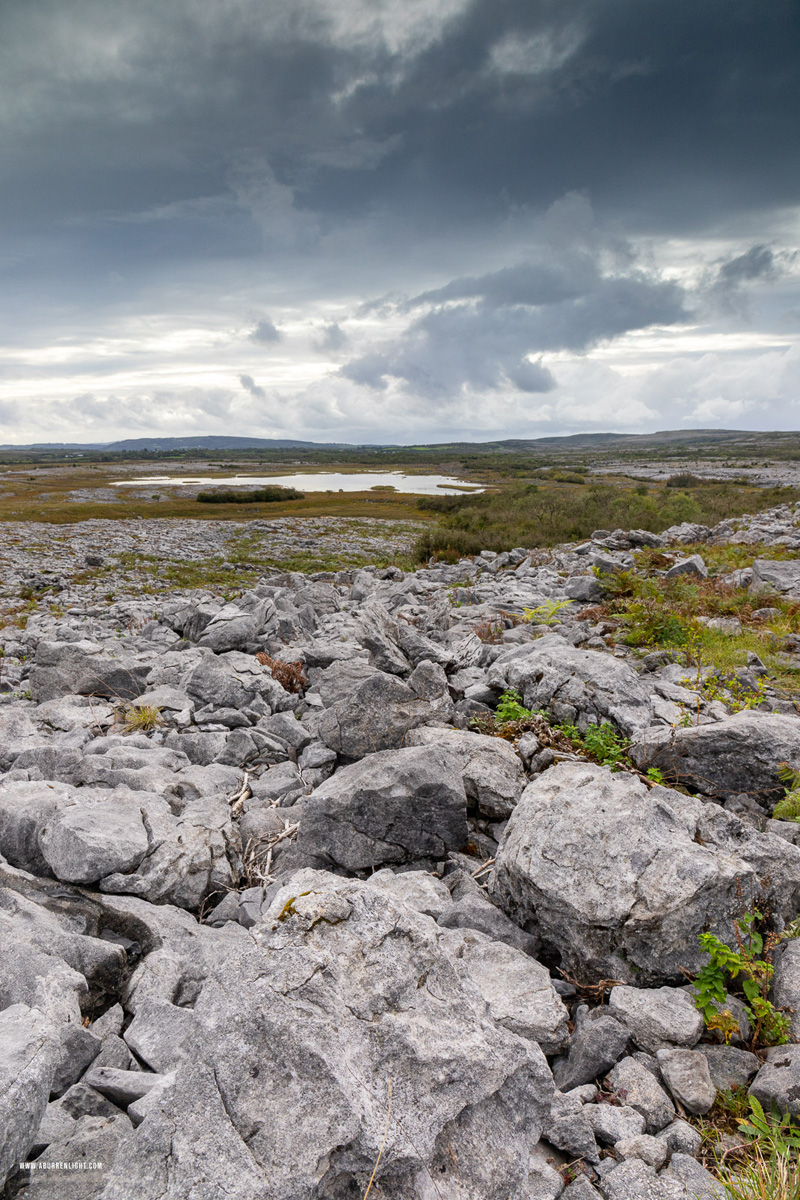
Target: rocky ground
[279, 924]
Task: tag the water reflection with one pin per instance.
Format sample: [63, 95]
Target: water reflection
[354, 481]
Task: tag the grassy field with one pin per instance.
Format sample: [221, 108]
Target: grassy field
[527, 503]
[45, 493]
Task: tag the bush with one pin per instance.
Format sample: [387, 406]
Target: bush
[265, 495]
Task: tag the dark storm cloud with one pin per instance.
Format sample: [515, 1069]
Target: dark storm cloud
[170, 170]
[265, 332]
[666, 111]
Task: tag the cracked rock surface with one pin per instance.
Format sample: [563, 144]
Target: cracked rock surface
[274, 916]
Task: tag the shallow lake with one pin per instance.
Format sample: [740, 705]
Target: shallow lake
[354, 481]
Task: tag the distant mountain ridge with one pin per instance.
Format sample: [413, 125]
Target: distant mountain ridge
[212, 442]
[570, 441]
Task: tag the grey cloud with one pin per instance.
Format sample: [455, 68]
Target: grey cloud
[480, 332]
[530, 376]
[756, 263]
[265, 332]
[333, 339]
[249, 384]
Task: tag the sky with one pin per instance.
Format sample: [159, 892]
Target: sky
[398, 221]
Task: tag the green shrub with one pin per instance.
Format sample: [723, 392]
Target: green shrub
[266, 495]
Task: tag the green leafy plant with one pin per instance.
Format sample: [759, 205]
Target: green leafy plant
[751, 965]
[788, 809]
[655, 775]
[510, 708]
[775, 1132]
[605, 744]
[600, 742]
[546, 612]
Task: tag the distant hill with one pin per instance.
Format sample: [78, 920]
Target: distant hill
[667, 440]
[187, 443]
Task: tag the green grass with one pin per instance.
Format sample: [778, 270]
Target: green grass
[546, 513]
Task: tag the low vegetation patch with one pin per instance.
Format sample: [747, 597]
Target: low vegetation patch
[140, 718]
[272, 494]
[546, 512]
[748, 970]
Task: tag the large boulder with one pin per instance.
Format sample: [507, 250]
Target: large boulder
[18, 734]
[380, 712]
[618, 879]
[335, 1026]
[86, 669]
[391, 807]
[125, 841]
[491, 769]
[582, 686]
[775, 576]
[29, 1056]
[726, 758]
[233, 629]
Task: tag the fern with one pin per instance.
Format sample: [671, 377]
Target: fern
[788, 809]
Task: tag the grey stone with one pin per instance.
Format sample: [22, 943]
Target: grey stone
[93, 1139]
[686, 1074]
[121, 1087]
[580, 1189]
[741, 754]
[379, 1000]
[786, 984]
[585, 683]
[286, 726]
[681, 1137]
[491, 771]
[83, 1101]
[199, 748]
[569, 1128]
[518, 990]
[85, 841]
[613, 1123]
[698, 1183]
[379, 635]
[657, 1017]
[471, 910]
[230, 629]
[597, 1045]
[729, 1067]
[651, 1150]
[113, 1053]
[418, 889]
[55, 1125]
[612, 876]
[637, 1087]
[28, 1059]
[693, 565]
[771, 575]
[635, 1180]
[377, 716]
[778, 1081]
[394, 806]
[77, 1049]
[82, 668]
